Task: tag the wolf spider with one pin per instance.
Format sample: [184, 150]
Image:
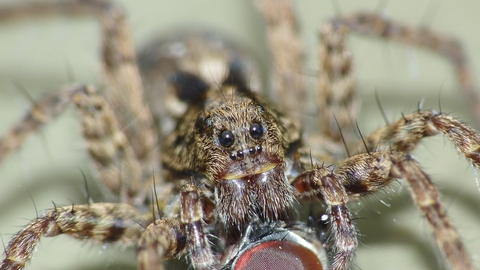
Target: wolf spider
[346, 128]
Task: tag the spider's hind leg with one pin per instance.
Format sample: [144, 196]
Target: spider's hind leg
[337, 100]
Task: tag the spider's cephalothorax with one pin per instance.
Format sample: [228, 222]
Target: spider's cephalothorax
[226, 166]
[236, 141]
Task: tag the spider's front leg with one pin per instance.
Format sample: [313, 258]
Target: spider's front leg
[100, 222]
[366, 173]
[403, 136]
[406, 133]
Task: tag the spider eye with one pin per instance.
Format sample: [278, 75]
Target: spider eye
[256, 130]
[226, 138]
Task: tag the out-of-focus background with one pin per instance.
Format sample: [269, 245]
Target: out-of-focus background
[41, 55]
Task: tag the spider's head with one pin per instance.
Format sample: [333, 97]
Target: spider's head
[239, 147]
[236, 139]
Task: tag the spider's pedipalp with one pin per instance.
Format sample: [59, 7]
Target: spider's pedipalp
[163, 239]
[199, 248]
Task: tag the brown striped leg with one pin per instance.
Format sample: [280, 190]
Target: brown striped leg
[405, 134]
[337, 100]
[374, 25]
[199, 249]
[364, 174]
[324, 183]
[108, 146]
[427, 198]
[163, 239]
[123, 87]
[43, 111]
[336, 85]
[287, 80]
[100, 222]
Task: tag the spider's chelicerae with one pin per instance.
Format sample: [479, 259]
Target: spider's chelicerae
[193, 173]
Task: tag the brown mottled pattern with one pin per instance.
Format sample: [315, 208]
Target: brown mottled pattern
[121, 78]
[337, 100]
[370, 24]
[287, 81]
[101, 222]
[465, 139]
[233, 148]
[163, 239]
[406, 133]
[115, 160]
[366, 173]
[427, 199]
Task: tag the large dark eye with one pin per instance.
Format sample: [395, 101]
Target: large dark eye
[256, 130]
[226, 138]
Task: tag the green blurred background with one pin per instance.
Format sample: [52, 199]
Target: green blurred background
[39, 56]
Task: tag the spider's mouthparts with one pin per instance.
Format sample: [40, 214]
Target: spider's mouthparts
[251, 166]
[241, 173]
[266, 196]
